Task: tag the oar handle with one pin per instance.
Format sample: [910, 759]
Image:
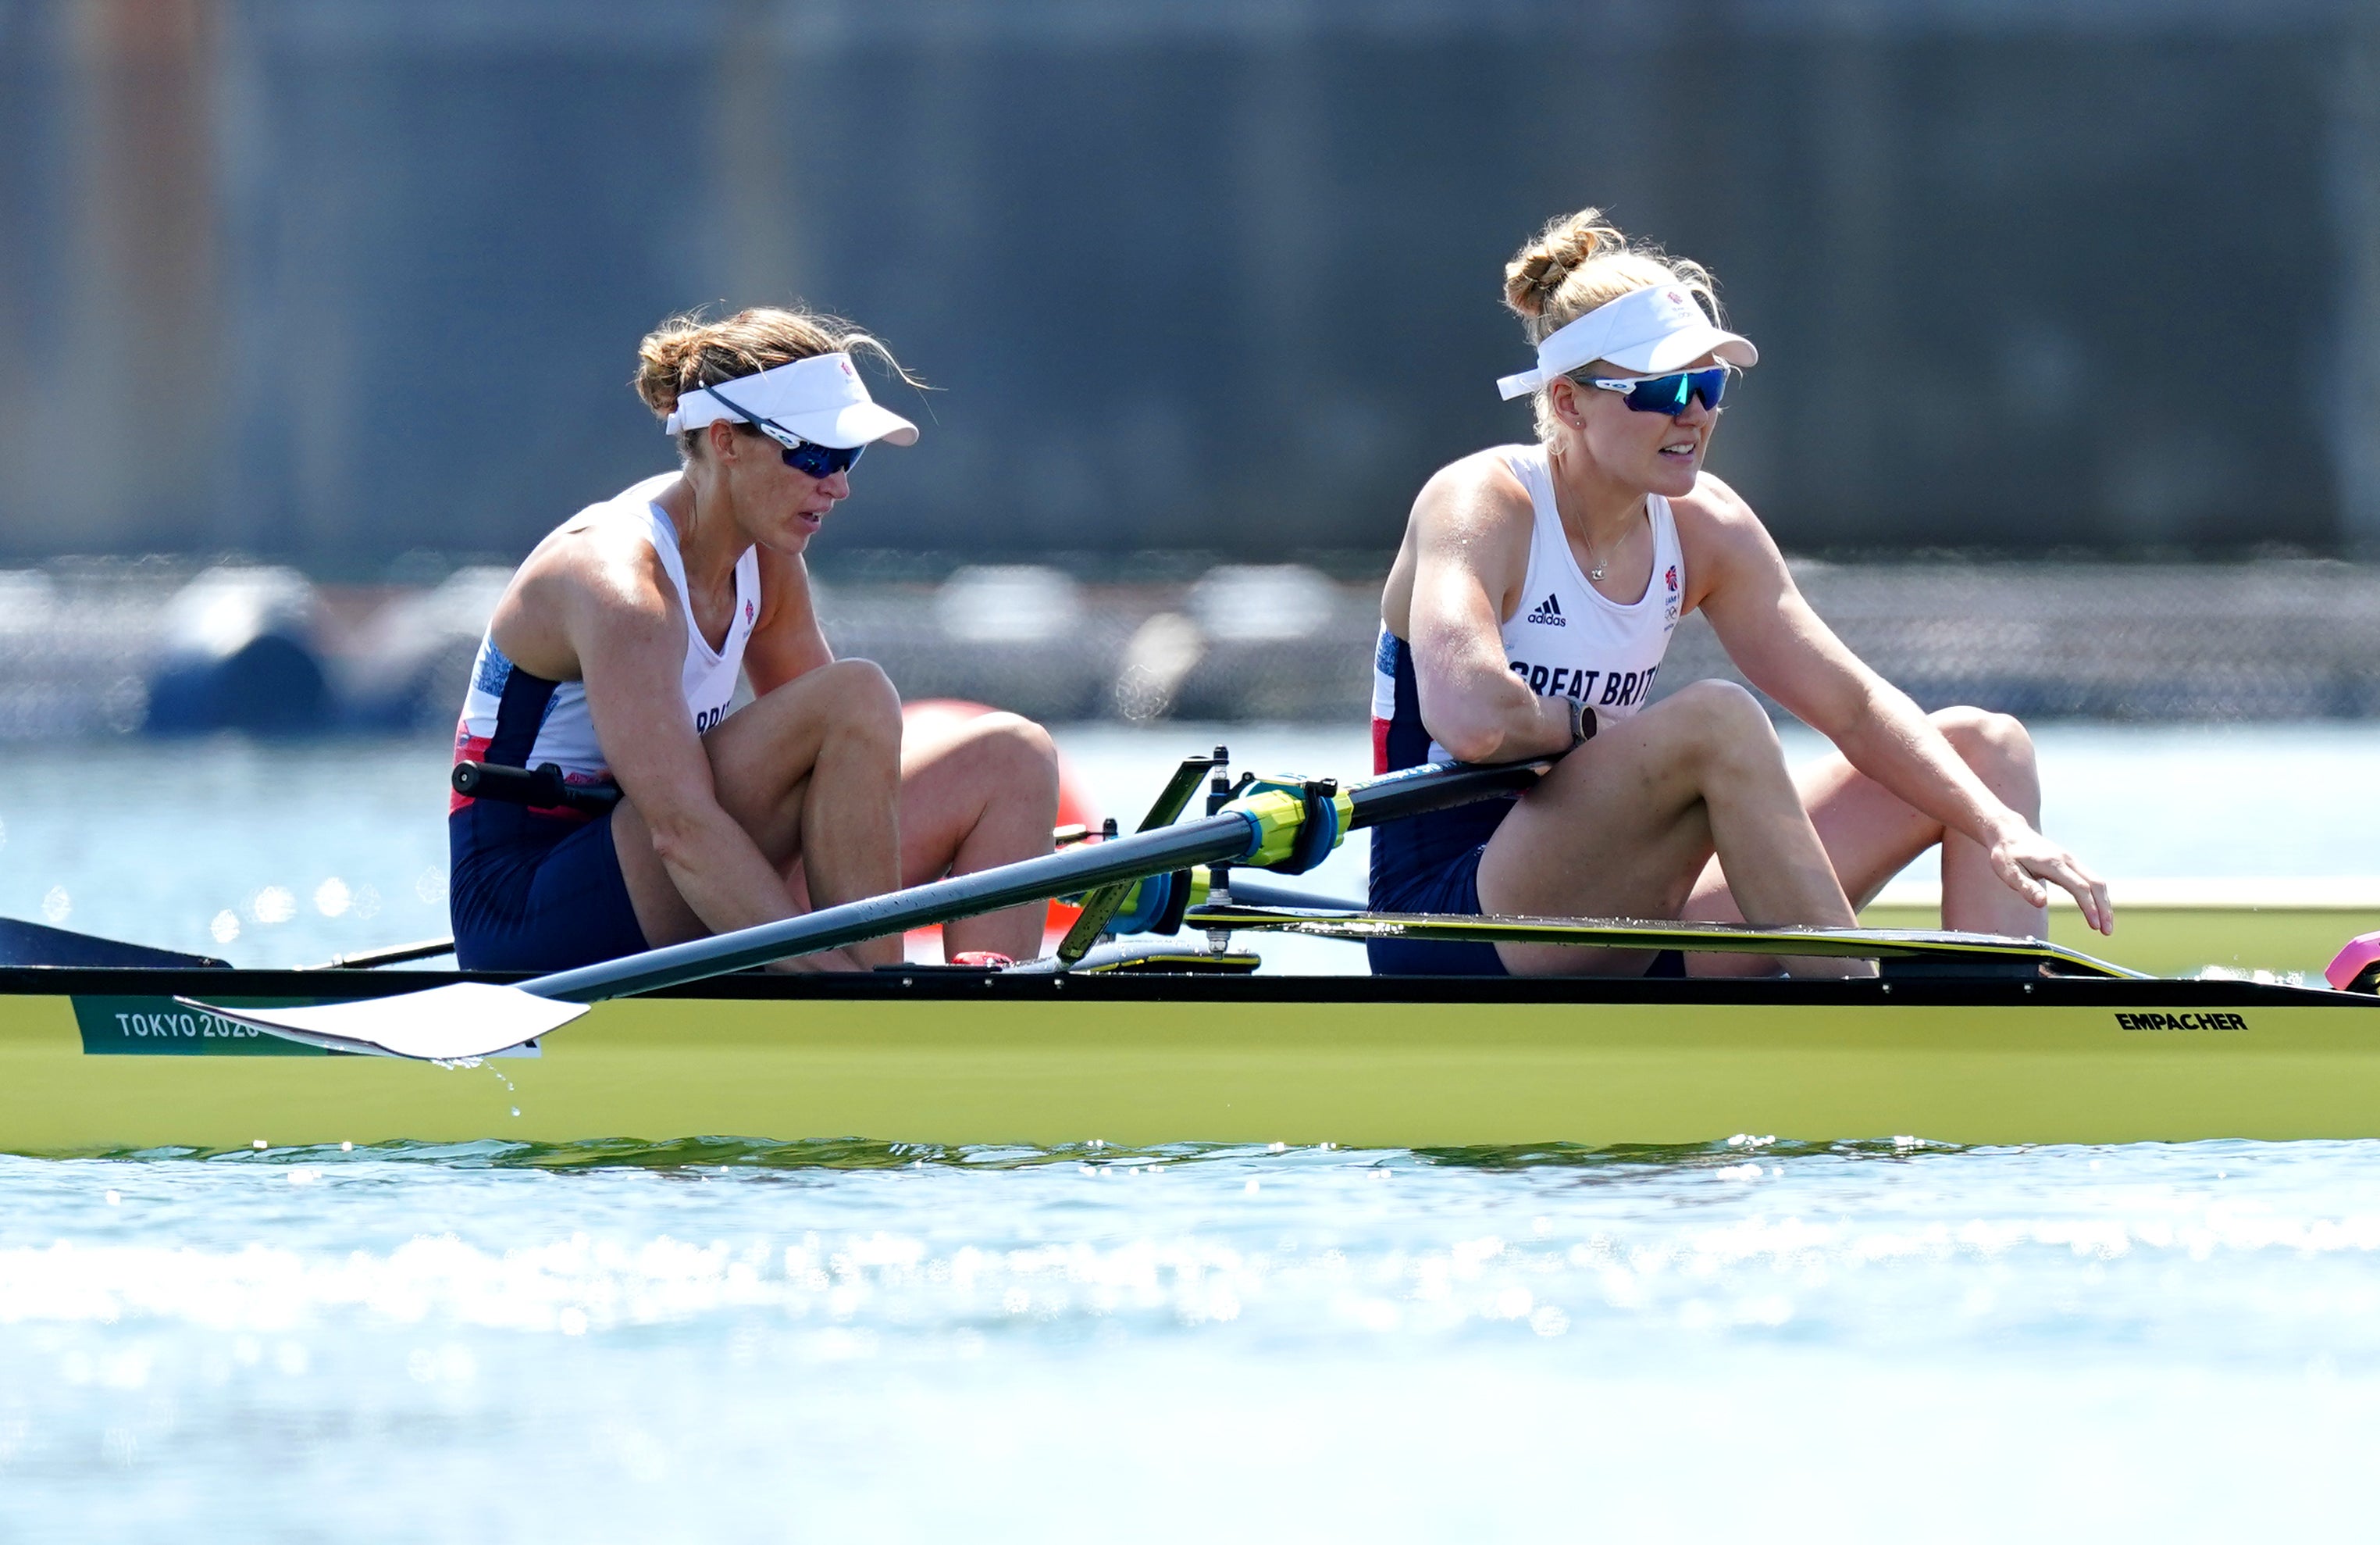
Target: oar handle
[1232, 835]
[539, 787]
[1437, 785]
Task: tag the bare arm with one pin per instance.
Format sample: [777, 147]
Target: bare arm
[1785, 649]
[1468, 549]
[624, 622]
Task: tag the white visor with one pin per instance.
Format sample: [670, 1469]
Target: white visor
[1649, 331]
[820, 399]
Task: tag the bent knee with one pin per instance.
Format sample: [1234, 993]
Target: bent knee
[1015, 747]
[853, 700]
[1724, 722]
[1980, 735]
[859, 688]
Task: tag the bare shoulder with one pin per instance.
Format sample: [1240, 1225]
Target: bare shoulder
[1714, 507]
[1469, 496]
[1470, 525]
[584, 580]
[1722, 538]
[600, 565]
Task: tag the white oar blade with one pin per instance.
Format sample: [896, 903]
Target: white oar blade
[445, 1024]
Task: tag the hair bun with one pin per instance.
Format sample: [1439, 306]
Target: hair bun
[662, 362]
[1535, 274]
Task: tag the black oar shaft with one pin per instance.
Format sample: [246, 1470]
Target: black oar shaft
[1214, 839]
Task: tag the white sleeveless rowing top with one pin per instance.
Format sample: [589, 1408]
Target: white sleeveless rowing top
[515, 719]
[1567, 636]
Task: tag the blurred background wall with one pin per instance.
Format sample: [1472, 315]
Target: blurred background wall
[330, 282]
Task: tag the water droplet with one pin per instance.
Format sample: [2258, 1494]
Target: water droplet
[260, 1144]
[272, 904]
[1252, 1187]
[58, 906]
[515, 1110]
[347, 1148]
[430, 887]
[114, 1198]
[331, 897]
[225, 928]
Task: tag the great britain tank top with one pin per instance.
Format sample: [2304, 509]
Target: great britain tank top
[1565, 638]
[516, 719]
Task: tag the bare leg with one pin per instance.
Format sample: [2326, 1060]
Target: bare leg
[1625, 825]
[976, 793]
[809, 771]
[1872, 834]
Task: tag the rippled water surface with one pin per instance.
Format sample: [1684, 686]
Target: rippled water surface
[799, 1344]
[723, 1342]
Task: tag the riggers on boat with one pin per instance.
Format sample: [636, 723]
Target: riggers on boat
[1962, 1039]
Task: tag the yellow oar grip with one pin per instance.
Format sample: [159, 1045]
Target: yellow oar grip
[1279, 815]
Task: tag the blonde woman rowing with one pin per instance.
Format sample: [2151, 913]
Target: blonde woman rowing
[615, 654]
[1528, 610]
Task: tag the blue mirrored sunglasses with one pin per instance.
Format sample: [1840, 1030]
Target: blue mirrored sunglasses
[1670, 393]
[806, 456]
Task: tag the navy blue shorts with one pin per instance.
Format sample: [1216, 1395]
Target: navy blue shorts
[530, 892]
[1453, 888]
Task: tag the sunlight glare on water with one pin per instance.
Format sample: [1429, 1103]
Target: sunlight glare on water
[773, 1343]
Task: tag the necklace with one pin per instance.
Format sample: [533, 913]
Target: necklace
[1596, 563]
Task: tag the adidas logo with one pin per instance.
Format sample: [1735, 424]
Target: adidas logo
[1548, 612]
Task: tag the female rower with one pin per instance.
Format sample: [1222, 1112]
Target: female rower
[1526, 616]
[615, 653]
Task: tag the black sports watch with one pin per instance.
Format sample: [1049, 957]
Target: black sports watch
[1582, 723]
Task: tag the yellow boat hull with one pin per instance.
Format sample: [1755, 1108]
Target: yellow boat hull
[959, 1061]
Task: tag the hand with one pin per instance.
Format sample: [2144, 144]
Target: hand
[2024, 859]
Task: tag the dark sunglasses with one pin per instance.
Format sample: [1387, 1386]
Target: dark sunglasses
[806, 456]
[1670, 393]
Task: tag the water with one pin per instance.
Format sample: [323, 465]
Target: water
[1826, 1343]
[765, 1344]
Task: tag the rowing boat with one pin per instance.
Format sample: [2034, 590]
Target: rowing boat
[1961, 1038]
[108, 1061]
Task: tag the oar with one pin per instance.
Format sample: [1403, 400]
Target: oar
[1639, 934]
[24, 944]
[478, 1019]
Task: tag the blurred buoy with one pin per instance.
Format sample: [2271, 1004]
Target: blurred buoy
[240, 655]
[1076, 808]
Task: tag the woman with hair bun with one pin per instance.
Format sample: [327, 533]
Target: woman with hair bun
[1527, 614]
[615, 653]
